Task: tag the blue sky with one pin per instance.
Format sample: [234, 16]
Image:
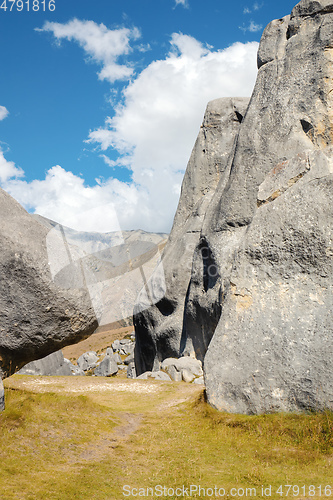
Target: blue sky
[101, 101]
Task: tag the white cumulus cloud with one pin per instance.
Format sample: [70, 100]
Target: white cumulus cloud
[3, 112]
[8, 169]
[104, 46]
[153, 132]
[156, 126]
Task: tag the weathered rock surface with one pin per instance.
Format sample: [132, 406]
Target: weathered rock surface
[107, 367]
[269, 231]
[159, 328]
[131, 371]
[88, 361]
[53, 364]
[260, 293]
[37, 316]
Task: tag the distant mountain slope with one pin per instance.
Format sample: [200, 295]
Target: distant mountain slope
[114, 266]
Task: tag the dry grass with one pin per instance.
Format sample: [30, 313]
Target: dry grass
[76, 438]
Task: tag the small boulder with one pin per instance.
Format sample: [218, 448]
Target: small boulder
[185, 363]
[74, 368]
[88, 361]
[187, 376]
[144, 376]
[174, 373]
[161, 376]
[199, 380]
[128, 348]
[116, 346]
[131, 372]
[123, 342]
[117, 358]
[129, 359]
[107, 367]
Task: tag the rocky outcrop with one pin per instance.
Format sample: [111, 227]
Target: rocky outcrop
[159, 328]
[37, 316]
[258, 307]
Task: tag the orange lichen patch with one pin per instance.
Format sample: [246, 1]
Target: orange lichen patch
[243, 303]
[243, 299]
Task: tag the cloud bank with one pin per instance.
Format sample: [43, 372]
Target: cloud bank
[152, 131]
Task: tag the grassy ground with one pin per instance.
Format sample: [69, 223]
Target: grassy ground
[87, 438]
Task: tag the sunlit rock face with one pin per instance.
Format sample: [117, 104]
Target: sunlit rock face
[159, 328]
[258, 306]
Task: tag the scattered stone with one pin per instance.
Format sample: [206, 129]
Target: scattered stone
[122, 367]
[116, 346]
[184, 363]
[76, 371]
[187, 376]
[128, 349]
[123, 342]
[53, 364]
[117, 358]
[144, 376]
[131, 373]
[88, 361]
[106, 368]
[161, 376]
[109, 351]
[174, 373]
[129, 359]
[199, 380]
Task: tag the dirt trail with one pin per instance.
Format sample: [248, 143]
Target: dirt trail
[129, 401]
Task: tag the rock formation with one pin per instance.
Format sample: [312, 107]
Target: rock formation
[258, 306]
[37, 317]
[54, 364]
[159, 328]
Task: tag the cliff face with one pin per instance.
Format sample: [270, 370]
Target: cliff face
[258, 306]
[159, 327]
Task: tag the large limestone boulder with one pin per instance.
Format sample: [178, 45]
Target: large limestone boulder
[37, 317]
[159, 327]
[258, 307]
[267, 235]
[273, 345]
